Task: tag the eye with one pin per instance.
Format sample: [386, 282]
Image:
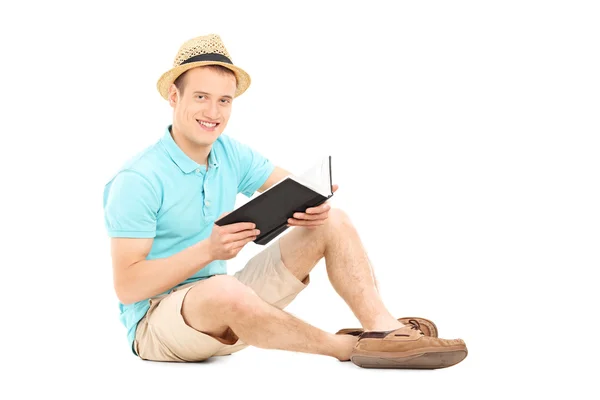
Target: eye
[200, 96]
[226, 100]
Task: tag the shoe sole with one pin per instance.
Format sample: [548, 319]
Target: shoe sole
[427, 360]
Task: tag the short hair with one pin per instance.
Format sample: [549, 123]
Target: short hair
[180, 81]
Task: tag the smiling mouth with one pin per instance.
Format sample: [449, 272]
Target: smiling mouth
[208, 126]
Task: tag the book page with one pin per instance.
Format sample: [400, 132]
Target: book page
[318, 177]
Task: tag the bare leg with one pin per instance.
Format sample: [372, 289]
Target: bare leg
[222, 304]
[348, 267]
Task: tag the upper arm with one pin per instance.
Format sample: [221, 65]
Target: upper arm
[128, 251]
[253, 168]
[130, 213]
[277, 175]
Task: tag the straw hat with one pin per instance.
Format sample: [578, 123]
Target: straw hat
[199, 51]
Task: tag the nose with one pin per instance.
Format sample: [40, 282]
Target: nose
[212, 111]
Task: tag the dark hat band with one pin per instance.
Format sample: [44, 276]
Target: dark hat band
[208, 57]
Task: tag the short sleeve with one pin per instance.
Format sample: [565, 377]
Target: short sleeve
[254, 168]
[130, 206]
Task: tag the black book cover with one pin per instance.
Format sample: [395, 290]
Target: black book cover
[271, 209]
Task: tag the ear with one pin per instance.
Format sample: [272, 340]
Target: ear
[173, 95]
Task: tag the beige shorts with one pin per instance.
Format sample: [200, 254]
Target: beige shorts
[163, 335]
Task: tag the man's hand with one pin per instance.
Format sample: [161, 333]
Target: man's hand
[226, 241]
[312, 217]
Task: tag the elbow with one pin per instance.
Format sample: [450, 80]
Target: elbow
[125, 294]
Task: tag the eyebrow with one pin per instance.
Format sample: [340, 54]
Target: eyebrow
[226, 96]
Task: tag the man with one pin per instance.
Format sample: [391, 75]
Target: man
[169, 258]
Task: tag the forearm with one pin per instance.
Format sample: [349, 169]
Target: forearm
[147, 278]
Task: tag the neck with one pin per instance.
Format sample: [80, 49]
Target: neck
[193, 150]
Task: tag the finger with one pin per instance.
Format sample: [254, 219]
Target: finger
[311, 217]
[318, 210]
[334, 187]
[242, 243]
[234, 237]
[299, 222]
[238, 227]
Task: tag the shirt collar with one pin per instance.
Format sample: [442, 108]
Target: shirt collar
[185, 163]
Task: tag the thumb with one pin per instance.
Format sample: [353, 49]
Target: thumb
[222, 215]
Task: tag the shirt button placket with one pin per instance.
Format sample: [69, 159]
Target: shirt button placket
[207, 212]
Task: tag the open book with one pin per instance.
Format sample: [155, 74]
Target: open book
[271, 209]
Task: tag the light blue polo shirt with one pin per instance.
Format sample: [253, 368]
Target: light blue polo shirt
[163, 194]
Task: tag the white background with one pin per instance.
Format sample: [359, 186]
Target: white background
[464, 138]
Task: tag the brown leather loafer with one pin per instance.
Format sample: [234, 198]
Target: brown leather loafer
[406, 348]
[425, 325]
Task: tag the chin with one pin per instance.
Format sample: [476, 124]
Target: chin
[205, 138]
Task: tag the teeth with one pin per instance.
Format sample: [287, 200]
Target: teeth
[207, 124]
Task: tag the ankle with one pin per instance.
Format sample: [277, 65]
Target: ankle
[345, 346]
[386, 324]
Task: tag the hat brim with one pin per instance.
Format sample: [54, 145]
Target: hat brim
[166, 79]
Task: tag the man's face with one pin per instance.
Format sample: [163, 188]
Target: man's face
[206, 101]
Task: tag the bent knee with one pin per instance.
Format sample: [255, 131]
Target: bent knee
[337, 221]
[337, 215]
